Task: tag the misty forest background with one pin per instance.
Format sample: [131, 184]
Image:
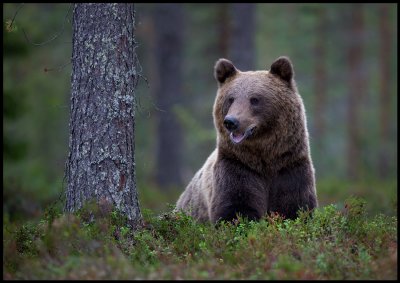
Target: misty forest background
[345, 61]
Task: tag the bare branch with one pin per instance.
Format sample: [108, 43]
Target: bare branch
[15, 15]
[58, 69]
[55, 36]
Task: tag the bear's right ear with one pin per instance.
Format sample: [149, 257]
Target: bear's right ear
[224, 69]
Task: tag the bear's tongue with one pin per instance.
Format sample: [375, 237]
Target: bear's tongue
[237, 137]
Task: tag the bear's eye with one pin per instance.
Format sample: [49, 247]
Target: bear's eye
[230, 100]
[254, 101]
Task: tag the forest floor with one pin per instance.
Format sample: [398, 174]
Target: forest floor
[95, 243]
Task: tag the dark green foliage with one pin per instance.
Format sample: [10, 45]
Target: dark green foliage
[13, 98]
[34, 109]
[24, 238]
[96, 243]
[13, 44]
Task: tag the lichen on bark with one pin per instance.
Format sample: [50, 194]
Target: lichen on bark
[101, 161]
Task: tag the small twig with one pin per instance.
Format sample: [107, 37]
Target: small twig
[54, 37]
[145, 80]
[58, 69]
[15, 15]
[158, 109]
[62, 193]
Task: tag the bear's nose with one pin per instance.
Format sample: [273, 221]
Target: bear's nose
[231, 123]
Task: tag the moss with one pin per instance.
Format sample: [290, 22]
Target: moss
[97, 243]
[25, 240]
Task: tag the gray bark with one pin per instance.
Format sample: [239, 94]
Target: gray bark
[169, 57]
[101, 162]
[242, 36]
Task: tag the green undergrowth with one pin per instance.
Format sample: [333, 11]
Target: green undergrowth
[96, 243]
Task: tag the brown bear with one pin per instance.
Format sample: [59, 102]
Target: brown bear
[262, 162]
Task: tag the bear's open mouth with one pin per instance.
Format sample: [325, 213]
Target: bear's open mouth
[237, 137]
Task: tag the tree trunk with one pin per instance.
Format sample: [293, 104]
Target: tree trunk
[223, 30]
[320, 79]
[356, 89]
[101, 162]
[242, 36]
[169, 51]
[385, 57]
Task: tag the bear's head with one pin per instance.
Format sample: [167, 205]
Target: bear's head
[257, 105]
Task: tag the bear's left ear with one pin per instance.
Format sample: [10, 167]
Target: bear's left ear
[283, 68]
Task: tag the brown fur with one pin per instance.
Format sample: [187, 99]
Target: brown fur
[271, 170]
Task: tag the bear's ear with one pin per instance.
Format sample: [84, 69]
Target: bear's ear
[283, 68]
[224, 69]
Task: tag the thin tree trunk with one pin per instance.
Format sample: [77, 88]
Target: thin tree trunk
[223, 30]
[320, 79]
[101, 162]
[169, 52]
[385, 50]
[242, 36]
[356, 89]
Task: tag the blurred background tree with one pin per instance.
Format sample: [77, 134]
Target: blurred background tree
[345, 63]
[168, 50]
[356, 95]
[241, 35]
